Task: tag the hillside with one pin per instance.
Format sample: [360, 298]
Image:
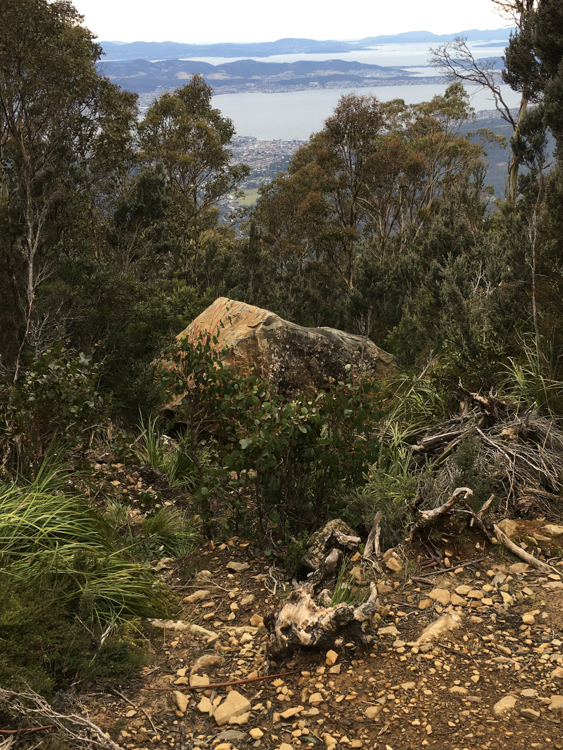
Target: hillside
[173, 50]
[143, 76]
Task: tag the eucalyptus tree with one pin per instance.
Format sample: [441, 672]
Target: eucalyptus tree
[184, 135]
[64, 129]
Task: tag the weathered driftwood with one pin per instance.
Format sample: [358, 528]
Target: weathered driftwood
[327, 568]
[494, 533]
[78, 730]
[428, 517]
[303, 623]
[334, 535]
[372, 548]
[522, 554]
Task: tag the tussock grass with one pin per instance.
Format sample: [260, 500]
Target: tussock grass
[46, 534]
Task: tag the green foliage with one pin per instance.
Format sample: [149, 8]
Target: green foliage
[346, 590]
[289, 456]
[52, 537]
[296, 549]
[43, 646]
[54, 399]
[170, 533]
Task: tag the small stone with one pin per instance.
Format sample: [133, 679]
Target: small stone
[181, 700]
[197, 596]
[519, 568]
[234, 705]
[315, 698]
[256, 621]
[130, 713]
[196, 680]
[424, 603]
[205, 706]
[529, 693]
[246, 638]
[456, 600]
[241, 719]
[458, 690]
[237, 567]
[463, 590]
[331, 657]
[285, 746]
[394, 564]
[291, 712]
[388, 630]
[372, 712]
[408, 685]
[442, 596]
[256, 733]
[509, 527]
[528, 618]
[504, 705]
[557, 673]
[506, 598]
[335, 669]
[556, 703]
[529, 713]
[246, 601]
[474, 594]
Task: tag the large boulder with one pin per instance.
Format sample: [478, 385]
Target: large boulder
[288, 355]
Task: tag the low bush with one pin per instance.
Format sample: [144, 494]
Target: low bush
[289, 458]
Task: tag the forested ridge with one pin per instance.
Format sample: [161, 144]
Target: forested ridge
[111, 243]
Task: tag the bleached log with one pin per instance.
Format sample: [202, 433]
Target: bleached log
[302, 623]
[372, 547]
[326, 568]
[522, 554]
[428, 517]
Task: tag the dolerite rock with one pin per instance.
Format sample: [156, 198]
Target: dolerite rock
[289, 356]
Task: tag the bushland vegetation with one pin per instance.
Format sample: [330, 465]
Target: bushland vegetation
[111, 243]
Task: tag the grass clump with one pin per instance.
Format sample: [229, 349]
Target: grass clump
[46, 535]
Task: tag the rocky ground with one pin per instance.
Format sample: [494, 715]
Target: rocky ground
[490, 677]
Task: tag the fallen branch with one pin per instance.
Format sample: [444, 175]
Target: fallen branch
[223, 684]
[448, 570]
[522, 554]
[27, 731]
[428, 517]
[372, 547]
[77, 729]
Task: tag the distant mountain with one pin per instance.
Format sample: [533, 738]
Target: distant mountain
[176, 50]
[144, 76]
[414, 37]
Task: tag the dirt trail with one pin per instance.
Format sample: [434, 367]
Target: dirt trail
[395, 695]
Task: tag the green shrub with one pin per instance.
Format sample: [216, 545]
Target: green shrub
[54, 399]
[43, 646]
[49, 536]
[290, 457]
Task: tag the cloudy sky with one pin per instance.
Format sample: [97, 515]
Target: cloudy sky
[259, 20]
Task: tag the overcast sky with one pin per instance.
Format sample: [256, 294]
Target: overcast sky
[259, 20]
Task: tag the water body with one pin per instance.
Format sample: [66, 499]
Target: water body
[297, 114]
[402, 55]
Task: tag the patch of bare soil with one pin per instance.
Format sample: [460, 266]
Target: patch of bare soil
[494, 681]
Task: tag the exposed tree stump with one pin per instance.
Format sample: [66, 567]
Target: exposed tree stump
[302, 623]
